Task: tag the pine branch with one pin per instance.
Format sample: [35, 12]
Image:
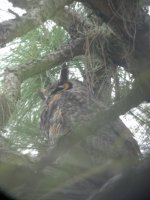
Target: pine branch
[14, 28]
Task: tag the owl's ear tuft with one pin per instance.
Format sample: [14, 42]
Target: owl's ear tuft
[64, 75]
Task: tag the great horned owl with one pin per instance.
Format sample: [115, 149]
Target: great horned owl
[65, 104]
[68, 104]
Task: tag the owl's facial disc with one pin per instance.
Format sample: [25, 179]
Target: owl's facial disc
[59, 88]
[65, 86]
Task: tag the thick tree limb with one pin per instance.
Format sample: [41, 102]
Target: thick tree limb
[71, 50]
[130, 22]
[133, 184]
[73, 23]
[145, 2]
[9, 97]
[14, 28]
[24, 4]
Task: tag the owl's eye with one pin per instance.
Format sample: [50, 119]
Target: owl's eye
[46, 93]
[57, 89]
[65, 86]
[68, 85]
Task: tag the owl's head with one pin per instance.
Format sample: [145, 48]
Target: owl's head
[62, 84]
[55, 88]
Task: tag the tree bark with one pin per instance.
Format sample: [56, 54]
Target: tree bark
[9, 97]
[11, 29]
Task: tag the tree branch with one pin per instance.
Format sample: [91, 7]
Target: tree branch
[34, 67]
[14, 28]
[24, 4]
[9, 97]
[130, 22]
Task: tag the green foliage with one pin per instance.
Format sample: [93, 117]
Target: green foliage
[36, 43]
[24, 123]
[23, 128]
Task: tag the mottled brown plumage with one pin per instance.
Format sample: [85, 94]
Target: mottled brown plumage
[64, 106]
[69, 106]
